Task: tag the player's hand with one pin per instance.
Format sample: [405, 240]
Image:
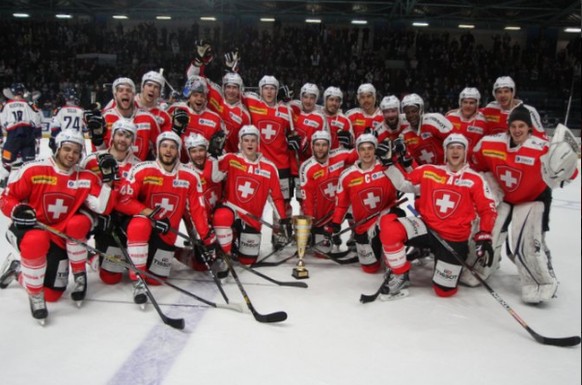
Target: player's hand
[331, 231]
[204, 53]
[23, 216]
[294, 142]
[216, 144]
[96, 127]
[180, 120]
[109, 168]
[345, 139]
[162, 226]
[232, 60]
[484, 248]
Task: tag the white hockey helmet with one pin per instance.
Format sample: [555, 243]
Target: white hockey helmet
[233, 78]
[389, 102]
[119, 81]
[124, 125]
[249, 129]
[470, 93]
[195, 84]
[456, 139]
[153, 76]
[70, 135]
[269, 80]
[503, 82]
[335, 92]
[367, 88]
[367, 138]
[309, 88]
[195, 140]
[412, 100]
[320, 135]
[168, 135]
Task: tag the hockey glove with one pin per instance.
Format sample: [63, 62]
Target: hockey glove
[294, 142]
[330, 230]
[399, 146]
[216, 144]
[180, 121]
[231, 60]
[345, 139]
[23, 216]
[96, 127]
[52, 144]
[286, 227]
[204, 53]
[162, 226]
[103, 224]
[284, 94]
[384, 153]
[210, 247]
[108, 167]
[484, 248]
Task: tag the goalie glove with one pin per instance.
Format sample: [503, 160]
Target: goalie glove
[180, 121]
[231, 60]
[109, 168]
[204, 53]
[484, 248]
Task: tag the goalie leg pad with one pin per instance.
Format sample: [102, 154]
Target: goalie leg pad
[537, 276]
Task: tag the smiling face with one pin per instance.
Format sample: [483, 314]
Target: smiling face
[68, 155]
[198, 156]
[231, 93]
[197, 101]
[124, 97]
[504, 97]
[367, 102]
[391, 116]
[249, 145]
[168, 154]
[320, 150]
[308, 101]
[455, 155]
[122, 140]
[412, 115]
[367, 154]
[468, 107]
[332, 105]
[519, 131]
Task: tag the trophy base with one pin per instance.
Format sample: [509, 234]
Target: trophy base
[300, 273]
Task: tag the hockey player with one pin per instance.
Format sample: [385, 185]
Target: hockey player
[367, 190]
[426, 133]
[68, 116]
[523, 169]
[340, 127]
[152, 86]
[171, 188]
[367, 115]
[467, 119]
[52, 191]
[116, 161]
[21, 122]
[124, 107]
[497, 111]
[250, 180]
[226, 102]
[394, 123]
[448, 197]
[200, 119]
[319, 177]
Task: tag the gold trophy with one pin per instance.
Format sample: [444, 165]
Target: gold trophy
[302, 226]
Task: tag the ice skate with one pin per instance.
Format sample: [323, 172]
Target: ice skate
[38, 307]
[79, 288]
[10, 271]
[395, 286]
[139, 294]
[220, 268]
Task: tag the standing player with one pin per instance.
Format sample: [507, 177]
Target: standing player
[426, 133]
[367, 115]
[340, 127]
[367, 190]
[522, 166]
[68, 116]
[467, 119]
[250, 181]
[497, 111]
[152, 86]
[448, 197]
[52, 191]
[394, 123]
[173, 189]
[21, 122]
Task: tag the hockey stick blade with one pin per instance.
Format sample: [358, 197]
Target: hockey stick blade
[278, 316]
[562, 342]
[367, 298]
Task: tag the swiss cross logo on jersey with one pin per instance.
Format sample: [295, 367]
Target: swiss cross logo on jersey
[445, 202]
[509, 178]
[211, 195]
[328, 189]
[269, 130]
[371, 198]
[246, 188]
[168, 204]
[56, 206]
[426, 154]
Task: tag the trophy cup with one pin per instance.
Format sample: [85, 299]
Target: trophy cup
[302, 226]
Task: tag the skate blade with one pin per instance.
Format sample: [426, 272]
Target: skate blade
[42, 321]
[391, 297]
[79, 304]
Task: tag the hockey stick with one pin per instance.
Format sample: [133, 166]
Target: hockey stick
[265, 318]
[232, 306]
[262, 262]
[366, 298]
[252, 216]
[266, 277]
[176, 323]
[560, 341]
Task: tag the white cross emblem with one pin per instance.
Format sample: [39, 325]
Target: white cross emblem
[166, 207]
[426, 156]
[246, 189]
[371, 200]
[268, 132]
[58, 208]
[508, 179]
[213, 198]
[445, 203]
[330, 190]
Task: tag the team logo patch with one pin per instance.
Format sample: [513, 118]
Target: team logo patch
[178, 183]
[525, 160]
[155, 180]
[56, 206]
[371, 198]
[246, 188]
[495, 154]
[426, 154]
[168, 203]
[44, 179]
[269, 130]
[445, 202]
[328, 190]
[509, 178]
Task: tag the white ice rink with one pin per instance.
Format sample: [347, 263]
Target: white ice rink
[329, 338]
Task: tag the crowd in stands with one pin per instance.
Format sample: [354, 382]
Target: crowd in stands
[44, 56]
